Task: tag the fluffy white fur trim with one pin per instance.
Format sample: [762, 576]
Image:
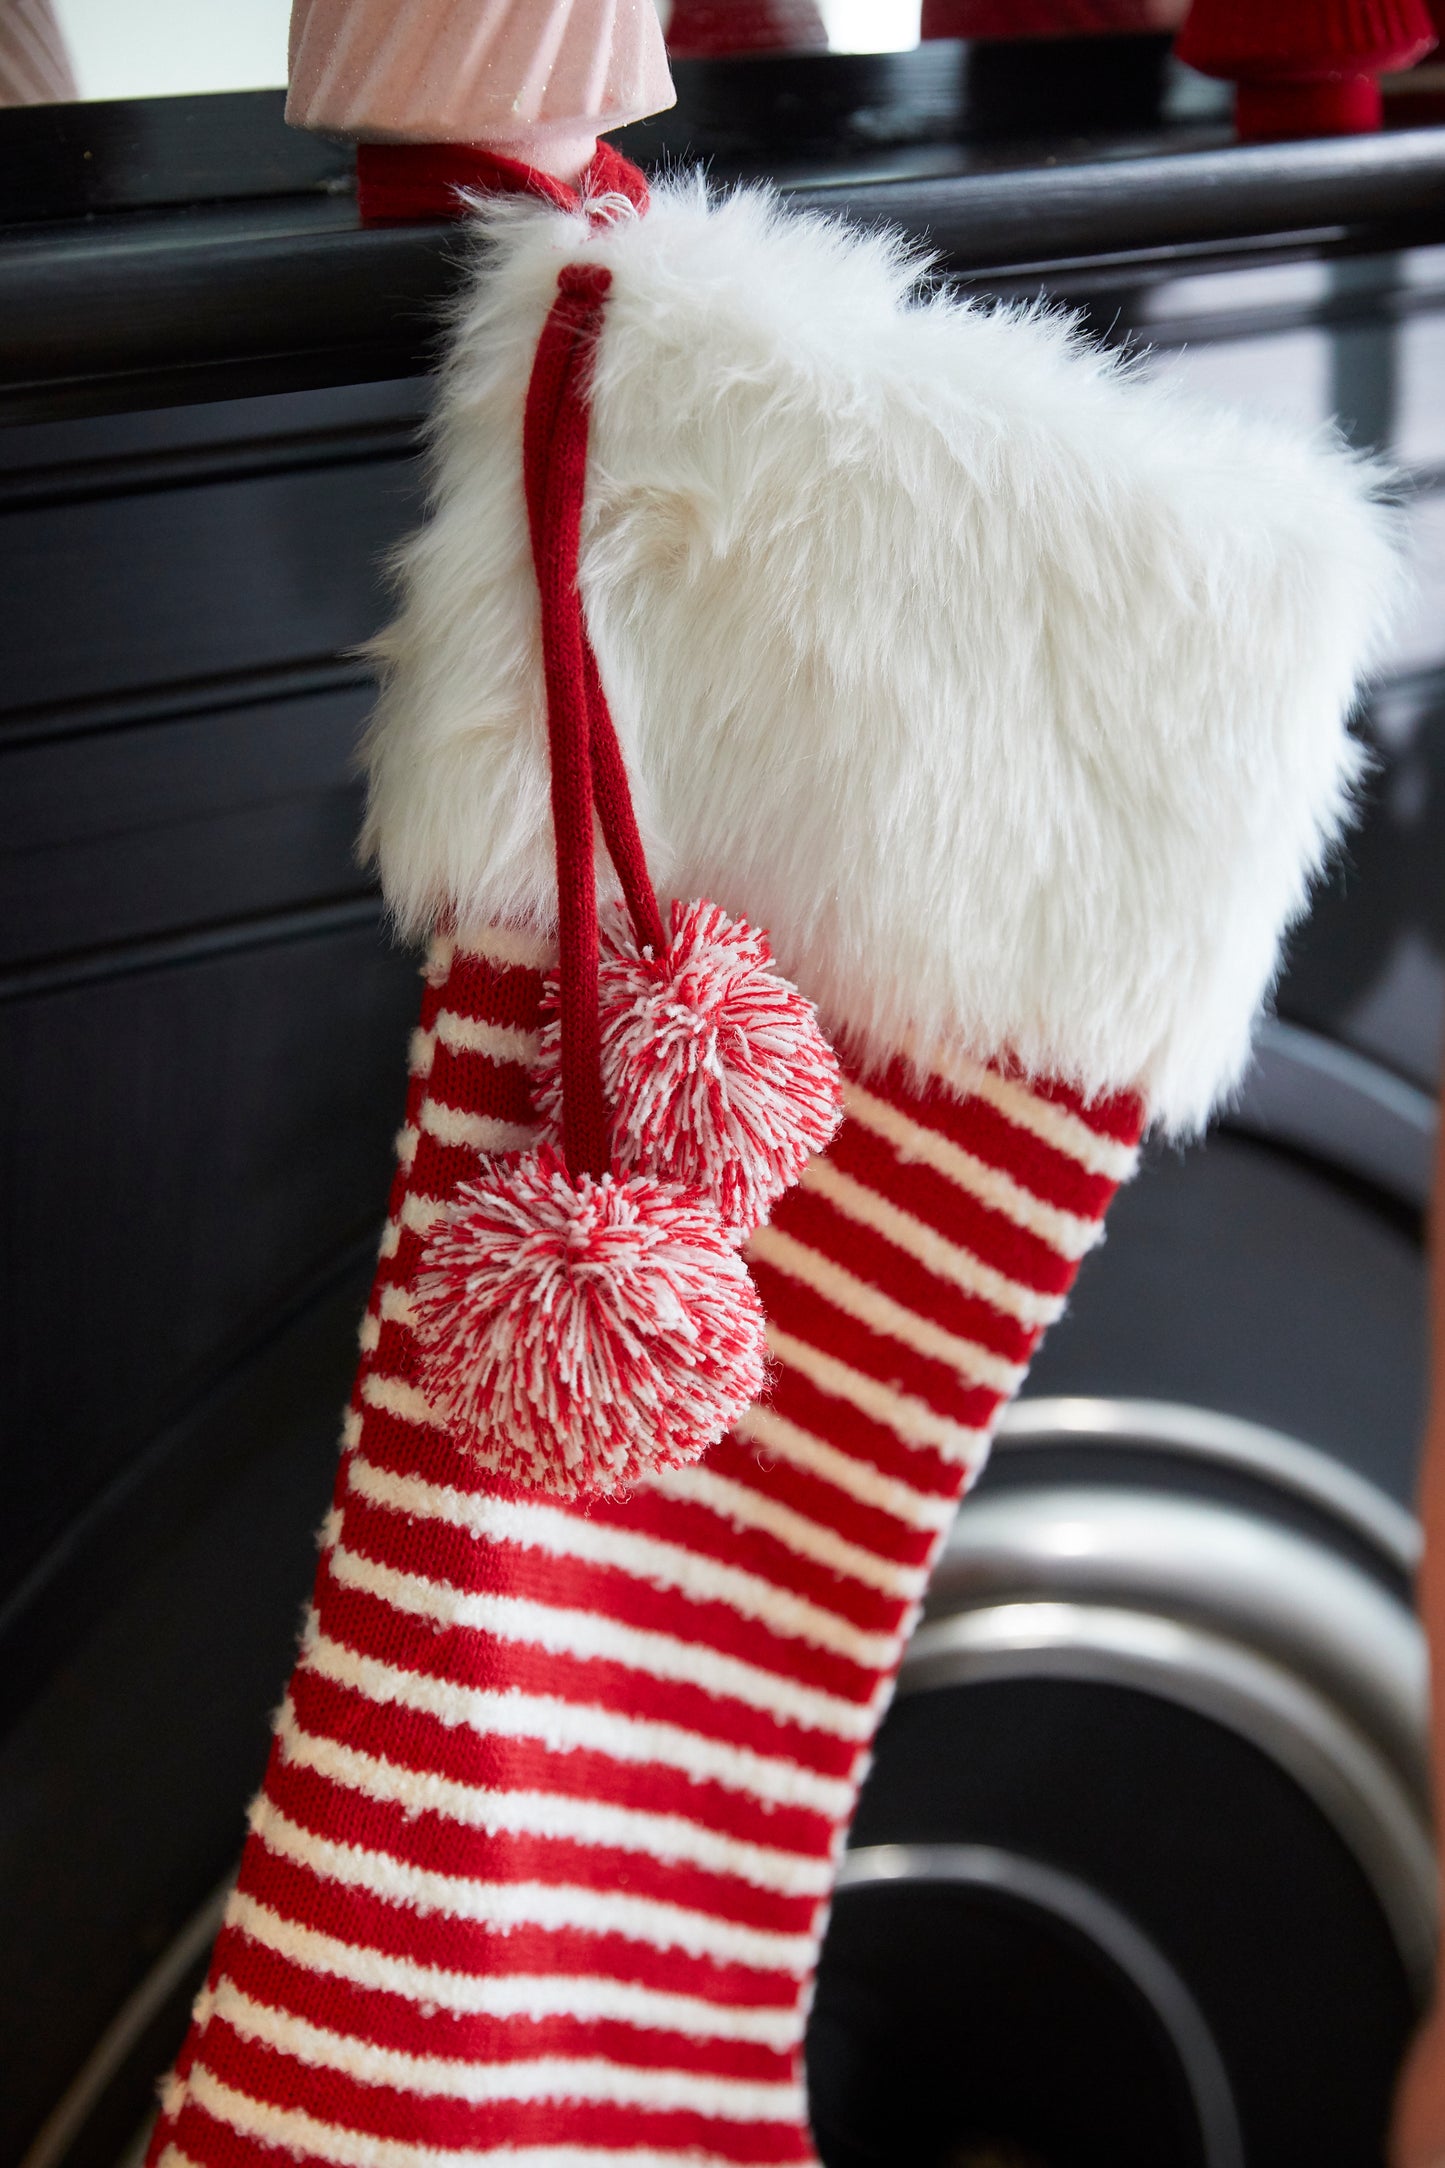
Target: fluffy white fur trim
[1006, 689]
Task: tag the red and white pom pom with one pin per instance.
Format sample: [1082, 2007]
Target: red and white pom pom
[713, 1064]
[578, 1332]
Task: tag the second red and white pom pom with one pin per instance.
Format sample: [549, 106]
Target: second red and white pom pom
[713, 1064]
[577, 1332]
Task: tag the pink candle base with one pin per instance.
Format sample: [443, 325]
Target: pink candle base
[538, 81]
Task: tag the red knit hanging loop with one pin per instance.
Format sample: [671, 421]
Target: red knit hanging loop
[586, 1317]
[587, 765]
[397, 181]
[714, 1067]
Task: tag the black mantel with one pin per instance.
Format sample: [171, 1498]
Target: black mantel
[283, 288]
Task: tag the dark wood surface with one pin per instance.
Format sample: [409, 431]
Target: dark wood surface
[218, 300]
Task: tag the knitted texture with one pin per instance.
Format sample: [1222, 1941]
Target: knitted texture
[577, 1333]
[545, 1845]
[714, 1069]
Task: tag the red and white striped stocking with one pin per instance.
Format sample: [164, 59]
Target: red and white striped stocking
[1010, 697]
[543, 1856]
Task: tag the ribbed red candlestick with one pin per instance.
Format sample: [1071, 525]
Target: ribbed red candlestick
[711, 29]
[1305, 67]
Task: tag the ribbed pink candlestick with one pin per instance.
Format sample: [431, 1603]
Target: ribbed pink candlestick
[538, 79]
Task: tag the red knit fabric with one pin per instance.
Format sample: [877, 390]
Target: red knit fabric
[554, 466]
[396, 181]
[586, 759]
[543, 1853]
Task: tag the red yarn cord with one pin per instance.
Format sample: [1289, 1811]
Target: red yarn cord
[587, 766]
[615, 814]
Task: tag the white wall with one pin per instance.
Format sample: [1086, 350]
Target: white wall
[871, 26]
[155, 48]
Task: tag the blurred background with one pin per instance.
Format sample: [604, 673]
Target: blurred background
[1143, 1872]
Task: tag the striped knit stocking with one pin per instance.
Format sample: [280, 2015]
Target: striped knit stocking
[544, 1850]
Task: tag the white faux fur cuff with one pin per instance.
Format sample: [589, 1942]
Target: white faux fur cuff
[1006, 690]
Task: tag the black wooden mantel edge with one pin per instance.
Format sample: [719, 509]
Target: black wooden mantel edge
[102, 312]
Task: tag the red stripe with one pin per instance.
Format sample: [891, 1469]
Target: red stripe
[1120, 1115]
[840, 1424]
[416, 1091]
[398, 1270]
[873, 1528]
[465, 1656]
[458, 1945]
[492, 993]
[478, 1083]
[421, 1838]
[268, 2074]
[1045, 1170]
[710, 1534]
[212, 2144]
[438, 1170]
[397, 1355]
[412, 1450]
[516, 1569]
[430, 1646]
[809, 1217]
[951, 1211]
[412, 1739]
[394, 2020]
[811, 1317]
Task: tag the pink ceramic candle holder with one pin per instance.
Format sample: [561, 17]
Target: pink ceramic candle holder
[537, 79]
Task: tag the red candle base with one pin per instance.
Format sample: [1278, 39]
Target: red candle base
[1277, 112]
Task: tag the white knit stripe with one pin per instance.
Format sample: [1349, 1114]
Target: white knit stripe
[474, 1132]
[350, 1430]
[948, 1259]
[499, 1042]
[667, 1837]
[420, 1050]
[1043, 1118]
[562, 1726]
[418, 1215]
[881, 1313]
[553, 1906]
[588, 1999]
[746, 1507]
[643, 1558]
[397, 1306]
[591, 1636]
[910, 1420]
[1065, 1232]
[293, 2130]
[369, 1333]
[393, 1396]
[552, 2077]
[774, 1434]
[405, 1144]
[391, 1232]
[512, 947]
